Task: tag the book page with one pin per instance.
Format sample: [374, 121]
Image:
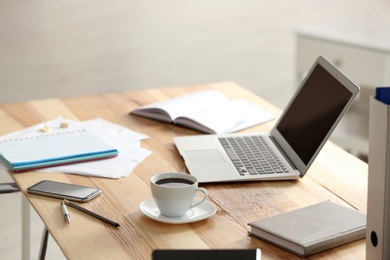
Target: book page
[231, 117]
[187, 104]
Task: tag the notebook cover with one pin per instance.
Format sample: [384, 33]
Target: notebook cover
[53, 149]
[312, 229]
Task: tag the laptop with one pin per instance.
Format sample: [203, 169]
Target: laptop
[320, 102]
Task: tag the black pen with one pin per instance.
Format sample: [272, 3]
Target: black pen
[67, 202]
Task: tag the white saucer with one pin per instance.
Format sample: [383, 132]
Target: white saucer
[200, 212]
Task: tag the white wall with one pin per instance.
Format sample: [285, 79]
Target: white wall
[52, 48]
[73, 47]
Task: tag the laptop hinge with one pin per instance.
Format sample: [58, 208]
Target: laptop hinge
[282, 152]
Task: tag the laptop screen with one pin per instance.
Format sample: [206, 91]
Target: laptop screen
[313, 112]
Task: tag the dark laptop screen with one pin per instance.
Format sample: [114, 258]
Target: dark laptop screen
[313, 112]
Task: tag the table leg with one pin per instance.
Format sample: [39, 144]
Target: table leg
[25, 228]
[45, 236]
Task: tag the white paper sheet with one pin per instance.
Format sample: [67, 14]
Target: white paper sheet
[125, 140]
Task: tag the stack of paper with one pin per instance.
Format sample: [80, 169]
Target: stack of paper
[126, 141]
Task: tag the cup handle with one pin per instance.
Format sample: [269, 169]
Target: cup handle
[204, 191]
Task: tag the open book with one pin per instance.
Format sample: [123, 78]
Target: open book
[207, 111]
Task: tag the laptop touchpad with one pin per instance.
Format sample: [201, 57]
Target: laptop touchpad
[205, 157]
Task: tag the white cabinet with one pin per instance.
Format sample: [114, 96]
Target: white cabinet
[368, 67]
[360, 48]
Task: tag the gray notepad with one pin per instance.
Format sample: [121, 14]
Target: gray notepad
[312, 229]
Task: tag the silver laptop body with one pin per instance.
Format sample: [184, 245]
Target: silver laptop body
[306, 124]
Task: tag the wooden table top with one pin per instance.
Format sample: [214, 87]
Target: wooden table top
[335, 175]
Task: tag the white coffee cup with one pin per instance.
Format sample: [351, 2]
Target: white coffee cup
[174, 193]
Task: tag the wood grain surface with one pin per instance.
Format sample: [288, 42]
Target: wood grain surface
[335, 176]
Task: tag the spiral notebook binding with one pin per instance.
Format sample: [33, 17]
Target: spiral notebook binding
[42, 135]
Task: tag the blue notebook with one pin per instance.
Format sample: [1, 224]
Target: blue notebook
[54, 149]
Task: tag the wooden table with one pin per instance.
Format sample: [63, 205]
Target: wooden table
[335, 175]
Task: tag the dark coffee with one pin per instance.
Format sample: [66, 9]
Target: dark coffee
[174, 182]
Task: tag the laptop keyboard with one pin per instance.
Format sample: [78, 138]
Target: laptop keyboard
[251, 154]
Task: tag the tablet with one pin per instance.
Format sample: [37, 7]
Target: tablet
[64, 190]
[206, 254]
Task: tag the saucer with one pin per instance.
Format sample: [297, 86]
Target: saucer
[200, 212]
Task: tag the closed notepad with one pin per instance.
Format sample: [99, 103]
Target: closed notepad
[53, 149]
[312, 229]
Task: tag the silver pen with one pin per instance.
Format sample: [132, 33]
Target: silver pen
[91, 213]
[65, 212]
